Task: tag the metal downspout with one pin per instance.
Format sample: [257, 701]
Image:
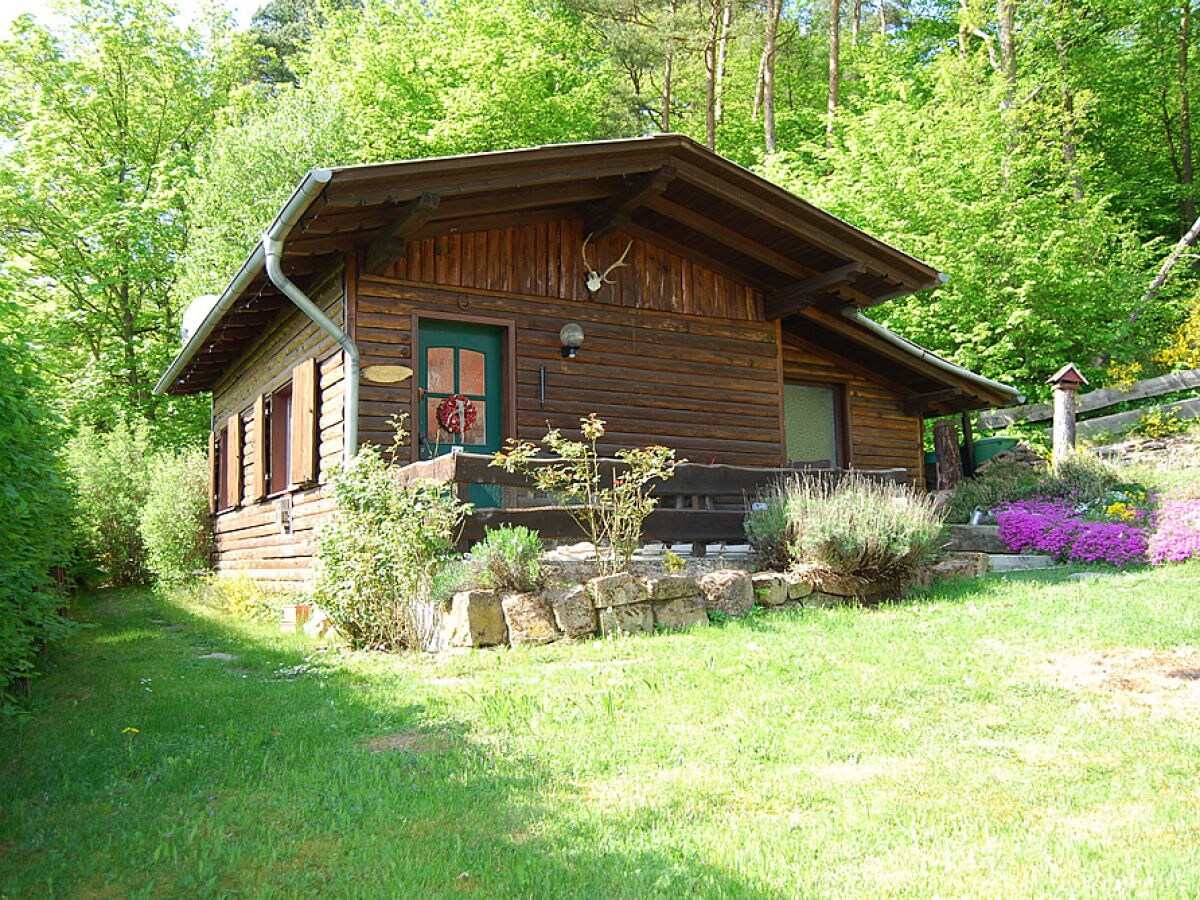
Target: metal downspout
[272, 244]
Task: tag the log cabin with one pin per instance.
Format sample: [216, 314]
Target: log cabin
[684, 299]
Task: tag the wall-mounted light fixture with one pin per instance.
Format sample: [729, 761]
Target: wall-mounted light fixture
[571, 338]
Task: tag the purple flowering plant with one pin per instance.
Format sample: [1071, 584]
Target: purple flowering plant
[1112, 529]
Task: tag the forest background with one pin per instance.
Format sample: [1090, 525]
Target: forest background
[1038, 151]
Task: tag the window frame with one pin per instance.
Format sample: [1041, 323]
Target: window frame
[279, 470]
[841, 418]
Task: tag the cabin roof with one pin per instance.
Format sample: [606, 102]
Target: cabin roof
[666, 189]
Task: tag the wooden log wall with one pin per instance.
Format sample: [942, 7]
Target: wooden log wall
[882, 435]
[706, 384]
[253, 539]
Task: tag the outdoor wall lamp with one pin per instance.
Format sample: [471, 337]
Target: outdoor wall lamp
[571, 338]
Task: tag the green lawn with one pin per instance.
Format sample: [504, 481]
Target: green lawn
[924, 749]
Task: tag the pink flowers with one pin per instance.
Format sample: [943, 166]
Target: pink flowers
[1178, 534]
[1058, 528]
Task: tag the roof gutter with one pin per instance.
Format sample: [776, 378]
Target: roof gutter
[933, 359]
[267, 255]
[272, 252]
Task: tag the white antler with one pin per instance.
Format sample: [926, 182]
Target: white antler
[619, 264]
[594, 278]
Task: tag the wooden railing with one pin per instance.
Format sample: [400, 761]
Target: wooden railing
[700, 504]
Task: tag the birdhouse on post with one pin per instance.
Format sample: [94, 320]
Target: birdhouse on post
[1066, 382]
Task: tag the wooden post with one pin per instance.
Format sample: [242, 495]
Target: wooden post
[949, 462]
[1066, 382]
[968, 446]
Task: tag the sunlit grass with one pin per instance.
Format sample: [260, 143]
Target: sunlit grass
[915, 750]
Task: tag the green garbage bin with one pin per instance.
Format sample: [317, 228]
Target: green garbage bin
[986, 448]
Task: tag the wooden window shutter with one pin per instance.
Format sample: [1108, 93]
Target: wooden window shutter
[233, 469]
[258, 437]
[304, 422]
[213, 487]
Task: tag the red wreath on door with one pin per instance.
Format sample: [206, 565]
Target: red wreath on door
[448, 414]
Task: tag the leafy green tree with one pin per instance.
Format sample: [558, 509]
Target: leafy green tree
[35, 507]
[103, 113]
[281, 29]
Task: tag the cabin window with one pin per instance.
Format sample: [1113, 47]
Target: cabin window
[814, 424]
[219, 469]
[279, 439]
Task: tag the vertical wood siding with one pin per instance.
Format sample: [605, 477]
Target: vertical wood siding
[544, 259]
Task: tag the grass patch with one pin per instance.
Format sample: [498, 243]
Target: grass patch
[923, 749]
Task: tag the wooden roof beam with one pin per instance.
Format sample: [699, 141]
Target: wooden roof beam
[919, 403]
[614, 213]
[393, 240]
[802, 294]
[732, 239]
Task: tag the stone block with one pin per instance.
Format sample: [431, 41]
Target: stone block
[728, 591]
[530, 619]
[573, 611]
[797, 587]
[821, 600]
[960, 565]
[680, 612]
[475, 619]
[975, 539]
[672, 587]
[770, 588]
[630, 618]
[621, 589]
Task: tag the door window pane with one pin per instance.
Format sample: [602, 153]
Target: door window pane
[471, 373]
[810, 417]
[439, 364]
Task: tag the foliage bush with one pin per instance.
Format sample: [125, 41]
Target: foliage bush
[509, 558]
[878, 532]
[109, 477]
[1082, 476]
[174, 522]
[998, 483]
[1159, 423]
[377, 556]
[768, 530]
[610, 506]
[35, 511]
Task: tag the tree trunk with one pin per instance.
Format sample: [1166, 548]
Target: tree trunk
[835, 71]
[723, 57]
[1069, 146]
[711, 40]
[856, 22]
[1006, 15]
[668, 67]
[1187, 203]
[774, 8]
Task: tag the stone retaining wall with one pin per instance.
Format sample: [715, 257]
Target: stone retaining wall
[630, 604]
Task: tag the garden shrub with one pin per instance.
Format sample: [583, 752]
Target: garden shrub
[35, 509]
[377, 556]
[998, 483]
[509, 558]
[109, 478]
[1082, 476]
[609, 507]
[878, 532]
[453, 575]
[768, 530]
[174, 522]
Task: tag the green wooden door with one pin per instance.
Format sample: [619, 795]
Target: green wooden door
[464, 361]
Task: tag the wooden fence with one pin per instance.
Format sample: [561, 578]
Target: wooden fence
[1105, 398]
[699, 504]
